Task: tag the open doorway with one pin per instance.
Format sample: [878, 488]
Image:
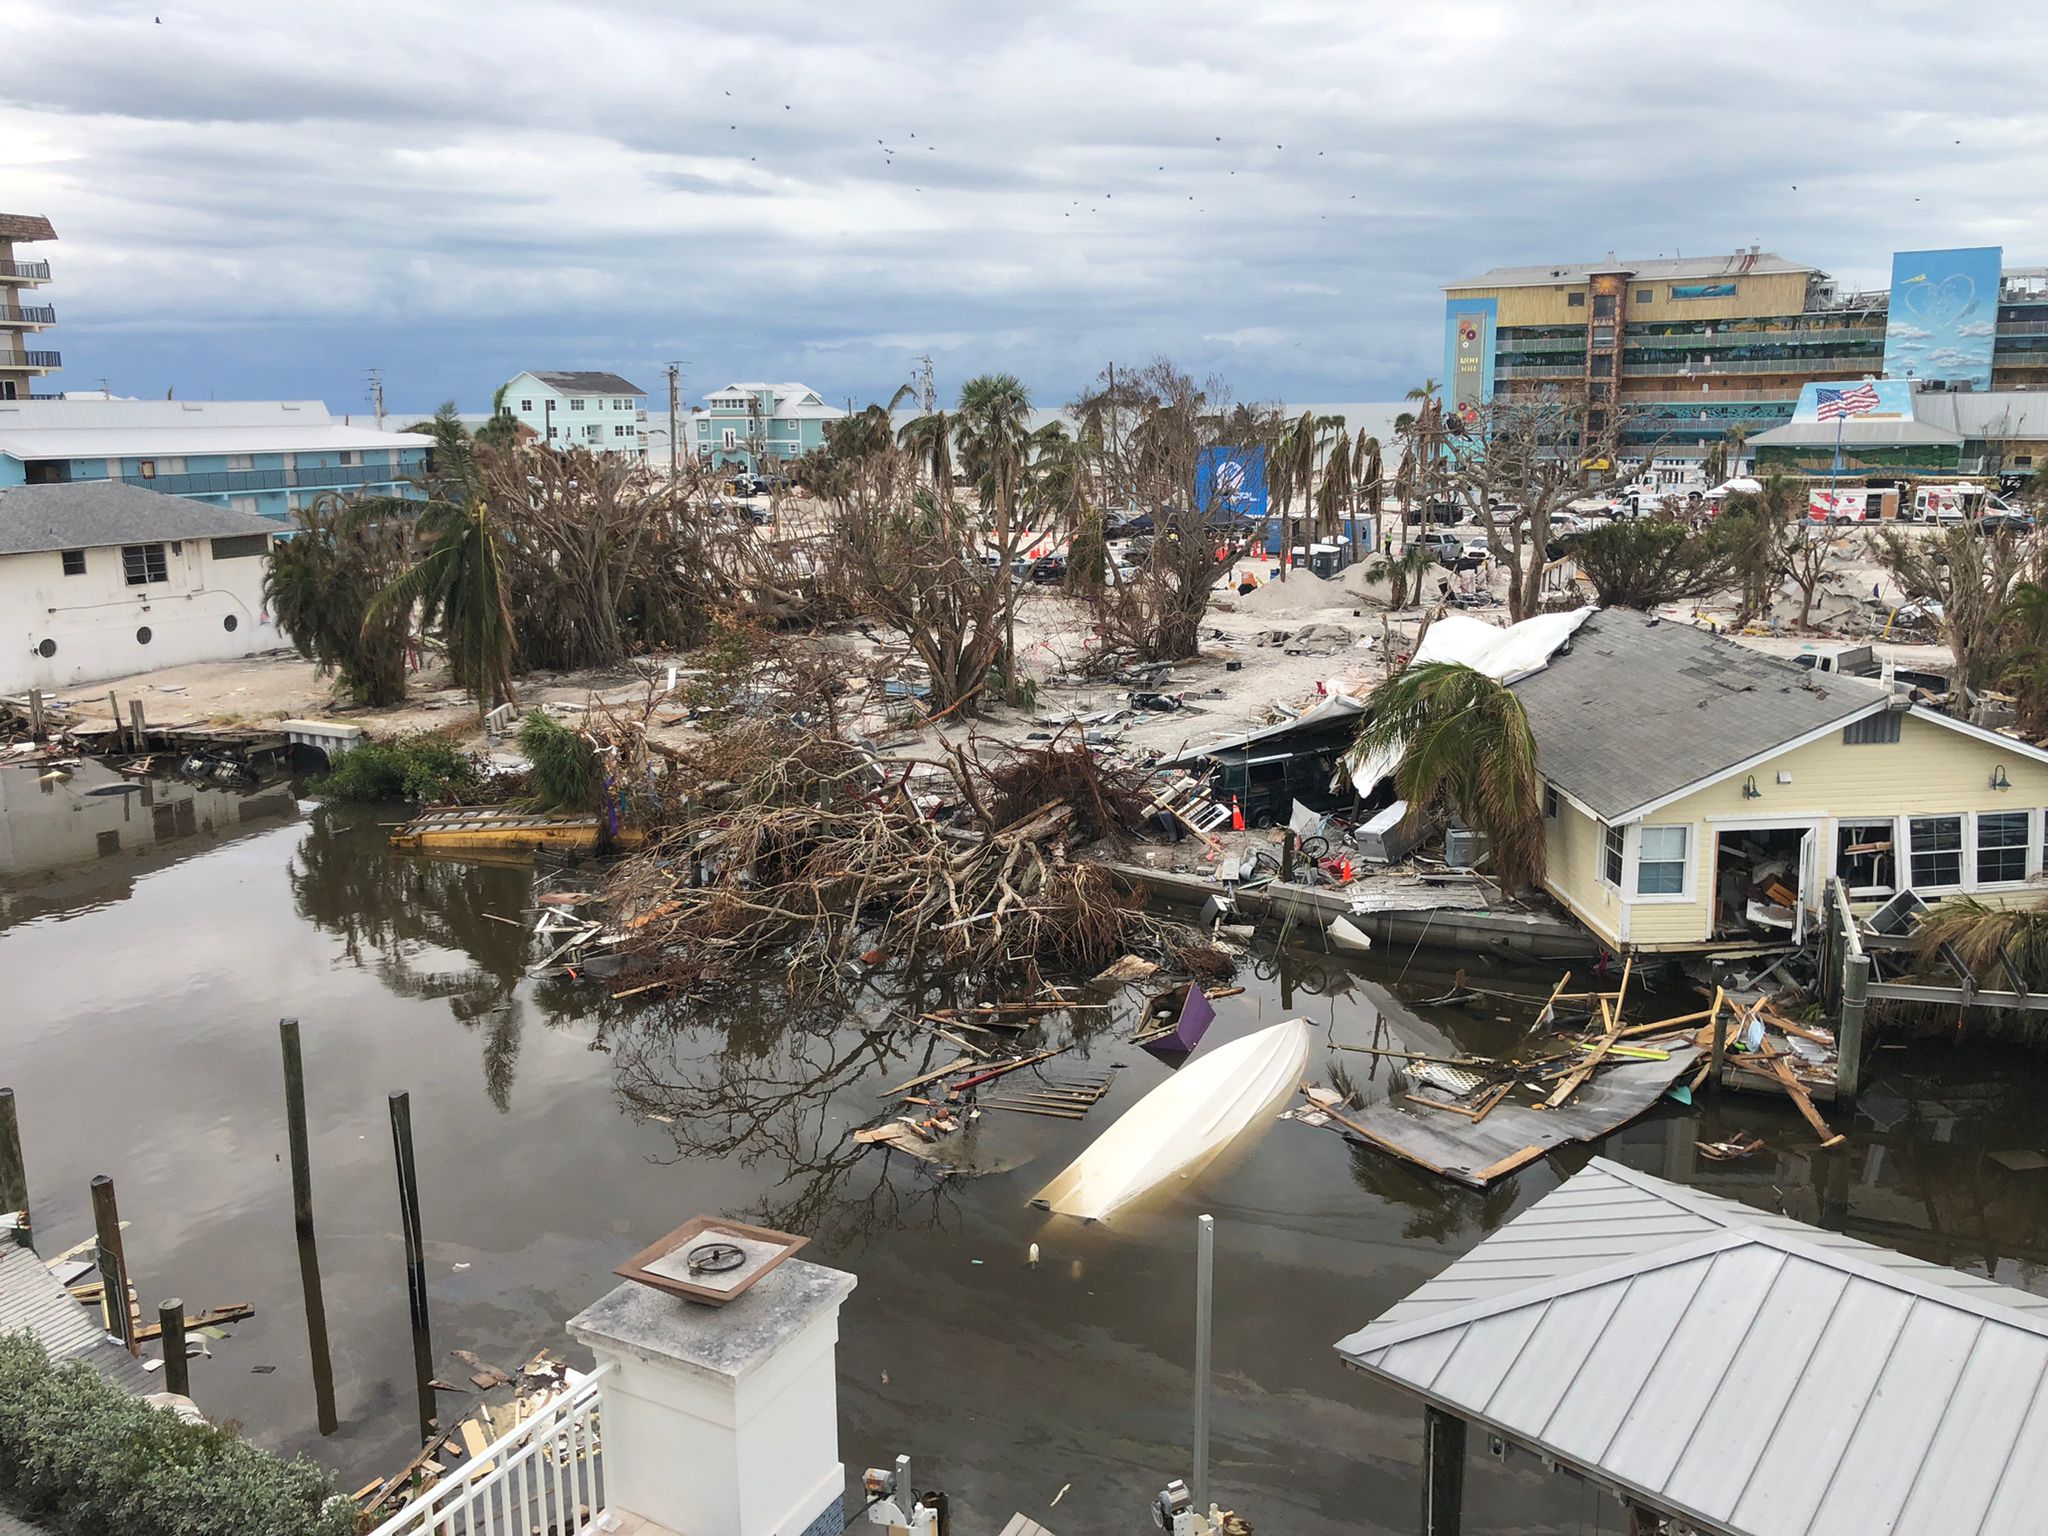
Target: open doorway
[1759, 875]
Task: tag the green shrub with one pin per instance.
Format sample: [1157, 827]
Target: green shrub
[86, 1458]
[565, 773]
[422, 768]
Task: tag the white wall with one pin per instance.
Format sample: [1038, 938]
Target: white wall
[94, 619]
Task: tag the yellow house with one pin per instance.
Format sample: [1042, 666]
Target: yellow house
[1689, 781]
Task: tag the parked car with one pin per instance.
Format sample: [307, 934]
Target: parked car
[2004, 522]
[1049, 570]
[1454, 551]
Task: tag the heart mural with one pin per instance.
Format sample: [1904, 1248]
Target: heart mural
[1941, 304]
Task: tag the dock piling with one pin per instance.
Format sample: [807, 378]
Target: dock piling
[13, 1171]
[138, 731]
[1849, 1041]
[415, 1256]
[170, 1316]
[113, 1262]
[295, 1125]
[38, 726]
[1205, 1306]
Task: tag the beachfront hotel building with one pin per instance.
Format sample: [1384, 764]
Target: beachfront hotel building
[1685, 348]
[22, 359]
[269, 458]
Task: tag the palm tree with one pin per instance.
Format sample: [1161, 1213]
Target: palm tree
[1333, 496]
[460, 586]
[1465, 745]
[1368, 480]
[928, 441]
[1291, 468]
[990, 434]
[319, 585]
[1401, 571]
[502, 430]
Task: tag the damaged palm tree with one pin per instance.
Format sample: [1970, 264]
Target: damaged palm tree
[790, 844]
[1464, 745]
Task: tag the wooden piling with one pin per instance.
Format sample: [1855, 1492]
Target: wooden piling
[113, 1261]
[114, 714]
[295, 1125]
[13, 1171]
[38, 725]
[415, 1258]
[170, 1317]
[1849, 1039]
[1443, 1473]
[1287, 841]
[138, 732]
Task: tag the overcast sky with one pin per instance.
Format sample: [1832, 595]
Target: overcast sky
[264, 200]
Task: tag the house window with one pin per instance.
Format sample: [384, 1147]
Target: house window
[1937, 843]
[1610, 857]
[732, 439]
[1603, 335]
[2001, 847]
[1645, 295]
[241, 546]
[1599, 389]
[1873, 730]
[526, 405]
[1660, 861]
[1549, 802]
[575, 405]
[143, 563]
[592, 433]
[621, 430]
[1575, 301]
[622, 405]
[1864, 859]
[551, 431]
[1603, 306]
[74, 562]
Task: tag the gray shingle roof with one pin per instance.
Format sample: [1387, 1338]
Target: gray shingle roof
[91, 514]
[589, 383]
[25, 226]
[1753, 1374]
[1636, 708]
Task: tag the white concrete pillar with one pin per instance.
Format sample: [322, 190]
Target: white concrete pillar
[724, 1421]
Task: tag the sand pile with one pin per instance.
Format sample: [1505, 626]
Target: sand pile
[1299, 594]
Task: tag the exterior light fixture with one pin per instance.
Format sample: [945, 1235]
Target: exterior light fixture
[1749, 789]
[1998, 778]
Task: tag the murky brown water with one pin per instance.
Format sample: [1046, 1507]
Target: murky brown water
[558, 1131]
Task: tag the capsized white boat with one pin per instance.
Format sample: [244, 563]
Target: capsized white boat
[1183, 1122]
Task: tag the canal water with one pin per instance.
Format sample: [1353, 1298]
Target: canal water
[151, 936]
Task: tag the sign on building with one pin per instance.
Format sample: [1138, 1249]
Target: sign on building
[1468, 349]
[1943, 315]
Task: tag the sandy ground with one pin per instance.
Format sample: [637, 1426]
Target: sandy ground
[1349, 632]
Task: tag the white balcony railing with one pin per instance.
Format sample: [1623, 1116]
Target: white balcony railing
[542, 1475]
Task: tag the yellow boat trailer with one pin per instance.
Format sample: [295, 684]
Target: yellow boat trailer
[493, 829]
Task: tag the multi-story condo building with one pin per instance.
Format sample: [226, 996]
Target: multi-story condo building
[1681, 350]
[757, 426]
[268, 457]
[22, 361]
[597, 411]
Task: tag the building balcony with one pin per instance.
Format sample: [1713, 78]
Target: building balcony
[1511, 341]
[25, 271]
[1697, 397]
[230, 482]
[1561, 369]
[29, 315]
[1707, 341]
[1823, 366]
[30, 362]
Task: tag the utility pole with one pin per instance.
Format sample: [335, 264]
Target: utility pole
[927, 389]
[674, 401]
[376, 376]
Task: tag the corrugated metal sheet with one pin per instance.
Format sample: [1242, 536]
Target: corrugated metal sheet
[32, 1301]
[1735, 1367]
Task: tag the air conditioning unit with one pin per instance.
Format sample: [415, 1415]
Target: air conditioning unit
[1463, 847]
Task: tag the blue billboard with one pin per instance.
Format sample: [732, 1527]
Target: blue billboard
[1231, 480]
[1468, 354]
[1944, 314]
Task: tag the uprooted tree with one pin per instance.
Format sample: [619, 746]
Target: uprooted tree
[1642, 563]
[1967, 578]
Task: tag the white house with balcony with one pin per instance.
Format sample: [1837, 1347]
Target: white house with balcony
[600, 412]
[758, 426]
[100, 579]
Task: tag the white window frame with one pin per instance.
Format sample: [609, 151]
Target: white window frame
[2027, 851]
[575, 405]
[1551, 802]
[1620, 875]
[1963, 863]
[731, 439]
[1634, 844]
[1900, 869]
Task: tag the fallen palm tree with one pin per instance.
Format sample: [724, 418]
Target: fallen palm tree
[781, 844]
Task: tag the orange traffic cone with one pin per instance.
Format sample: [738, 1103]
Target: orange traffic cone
[1236, 815]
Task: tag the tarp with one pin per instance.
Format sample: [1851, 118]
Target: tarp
[1505, 655]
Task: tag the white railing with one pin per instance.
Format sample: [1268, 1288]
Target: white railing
[541, 1475]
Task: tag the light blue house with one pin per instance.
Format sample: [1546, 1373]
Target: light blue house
[267, 457]
[761, 426]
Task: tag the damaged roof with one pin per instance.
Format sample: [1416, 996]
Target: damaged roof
[1743, 1370]
[1636, 709]
[93, 514]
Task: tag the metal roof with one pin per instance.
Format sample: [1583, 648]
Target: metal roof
[1857, 434]
[25, 226]
[1746, 1372]
[32, 1301]
[1654, 269]
[587, 383]
[126, 429]
[1634, 709]
[2014, 413]
[92, 514]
